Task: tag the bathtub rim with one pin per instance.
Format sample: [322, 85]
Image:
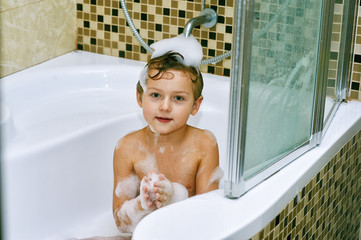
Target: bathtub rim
[74, 61]
[7, 155]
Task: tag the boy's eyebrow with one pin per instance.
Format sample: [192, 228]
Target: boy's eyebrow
[177, 92]
[154, 88]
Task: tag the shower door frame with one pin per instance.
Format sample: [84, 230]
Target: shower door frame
[345, 58]
[235, 184]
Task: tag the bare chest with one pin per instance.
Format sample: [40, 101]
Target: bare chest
[178, 166]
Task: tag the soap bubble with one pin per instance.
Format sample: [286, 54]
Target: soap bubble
[188, 47]
[143, 76]
[216, 176]
[147, 164]
[128, 187]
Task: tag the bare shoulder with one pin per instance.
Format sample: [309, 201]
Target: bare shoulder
[125, 154]
[130, 140]
[209, 161]
[204, 137]
[128, 145]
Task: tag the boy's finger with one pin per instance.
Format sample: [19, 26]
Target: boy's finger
[161, 176]
[158, 190]
[145, 189]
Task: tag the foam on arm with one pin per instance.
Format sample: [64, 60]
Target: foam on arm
[130, 214]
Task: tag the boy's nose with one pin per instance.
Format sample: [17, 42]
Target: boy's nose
[166, 105]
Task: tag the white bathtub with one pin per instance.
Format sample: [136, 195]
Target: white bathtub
[60, 123]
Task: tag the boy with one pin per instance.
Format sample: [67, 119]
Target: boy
[172, 159]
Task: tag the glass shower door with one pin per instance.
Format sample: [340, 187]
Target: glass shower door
[282, 80]
[276, 84]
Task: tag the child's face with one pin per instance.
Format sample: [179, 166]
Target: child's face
[168, 102]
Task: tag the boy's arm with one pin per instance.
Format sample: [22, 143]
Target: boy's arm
[127, 208]
[209, 173]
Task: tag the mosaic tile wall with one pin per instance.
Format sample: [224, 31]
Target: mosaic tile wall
[102, 27]
[355, 89]
[335, 47]
[354, 85]
[278, 48]
[328, 207]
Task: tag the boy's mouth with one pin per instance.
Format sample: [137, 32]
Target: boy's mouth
[163, 119]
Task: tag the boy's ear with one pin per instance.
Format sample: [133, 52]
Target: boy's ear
[139, 99]
[197, 105]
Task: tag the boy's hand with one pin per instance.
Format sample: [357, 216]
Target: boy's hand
[147, 196]
[163, 190]
[155, 189]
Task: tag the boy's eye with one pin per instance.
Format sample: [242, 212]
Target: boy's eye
[155, 95]
[178, 98]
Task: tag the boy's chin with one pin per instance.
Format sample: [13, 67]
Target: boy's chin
[163, 130]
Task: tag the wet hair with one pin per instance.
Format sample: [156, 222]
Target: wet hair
[173, 61]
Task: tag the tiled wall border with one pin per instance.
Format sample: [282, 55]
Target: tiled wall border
[355, 89]
[102, 27]
[335, 49]
[328, 207]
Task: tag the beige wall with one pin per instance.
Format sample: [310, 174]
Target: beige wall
[33, 31]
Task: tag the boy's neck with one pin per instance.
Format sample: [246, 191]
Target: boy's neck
[174, 138]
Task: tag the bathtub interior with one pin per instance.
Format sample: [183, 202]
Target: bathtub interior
[62, 120]
[55, 102]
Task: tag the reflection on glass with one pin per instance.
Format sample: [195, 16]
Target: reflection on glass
[282, 80]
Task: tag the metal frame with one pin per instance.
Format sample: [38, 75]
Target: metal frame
[347, 40]
[323, 62]
[235, 185]
[241, 53]
[345, 58]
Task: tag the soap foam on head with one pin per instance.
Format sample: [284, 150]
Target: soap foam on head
[143, 76]
[188, 47]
